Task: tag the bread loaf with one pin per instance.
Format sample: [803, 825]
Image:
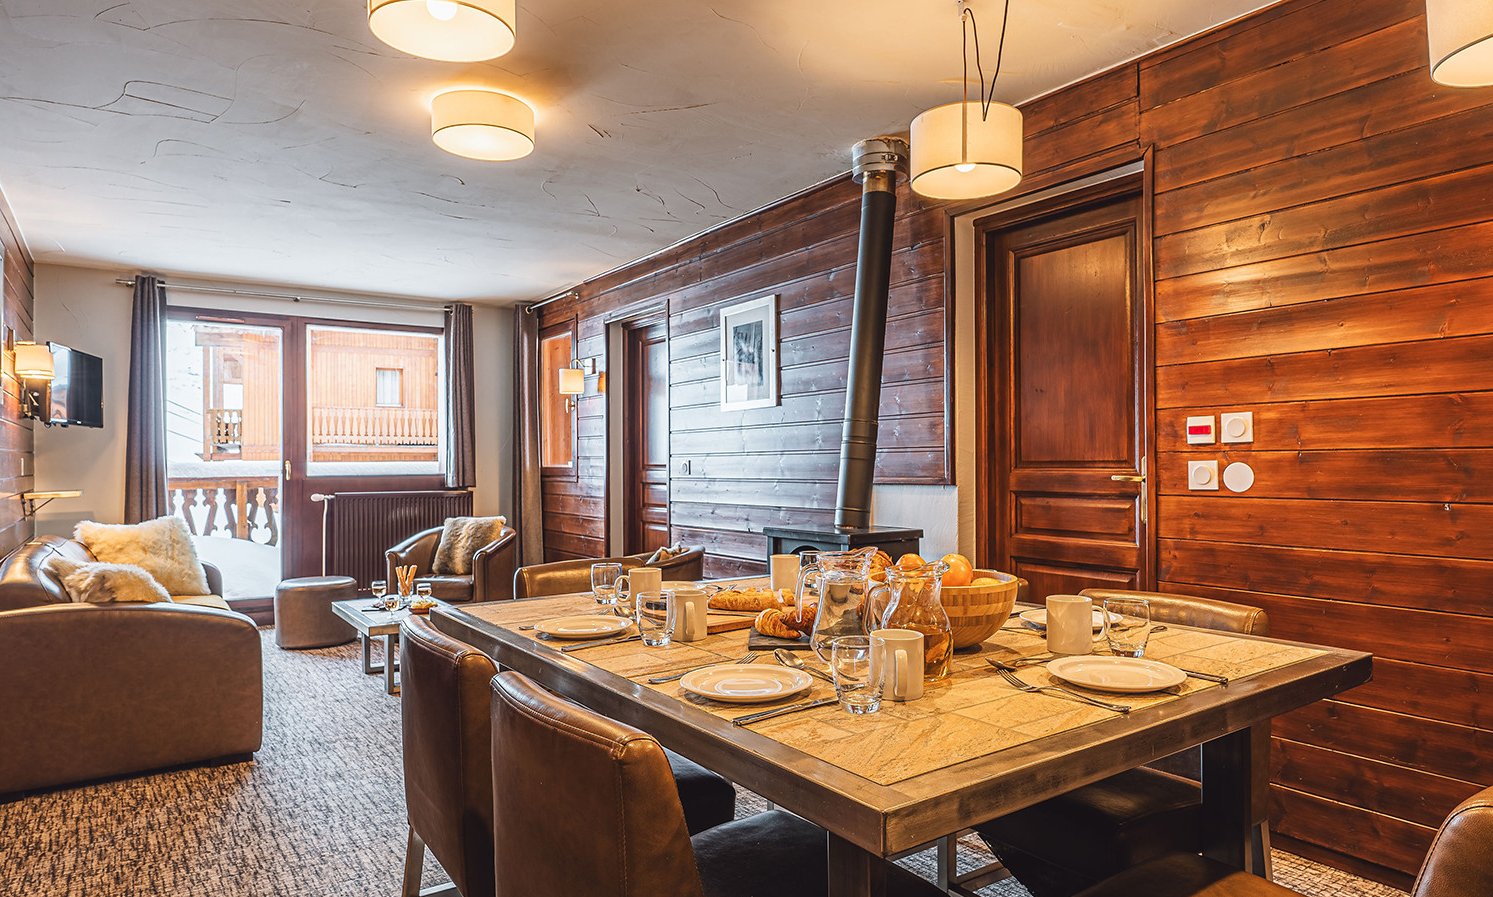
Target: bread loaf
[749, 599]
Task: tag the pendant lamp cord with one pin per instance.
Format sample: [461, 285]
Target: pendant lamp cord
[968, 24]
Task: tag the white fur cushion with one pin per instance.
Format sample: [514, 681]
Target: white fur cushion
[163, 547]
[100, 583]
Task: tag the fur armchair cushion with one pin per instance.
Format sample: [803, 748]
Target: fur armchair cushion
[163, 547]
[460, 540]
[101, 583]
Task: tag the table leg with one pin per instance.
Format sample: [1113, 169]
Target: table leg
[854, 871]
[368, 668]
[391, 644]
[1227, 788]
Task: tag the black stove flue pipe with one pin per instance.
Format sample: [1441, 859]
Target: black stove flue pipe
[878, 163]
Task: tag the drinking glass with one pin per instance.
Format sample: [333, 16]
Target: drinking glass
[380, 588]
[858, 682]
[654, 614]
[422, 589]
[604, 583]
[1127, 626]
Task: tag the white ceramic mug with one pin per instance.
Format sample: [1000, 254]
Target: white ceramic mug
[783, 571]
[898, 653]
[1070, 624]
[690, 612]
[639, 579]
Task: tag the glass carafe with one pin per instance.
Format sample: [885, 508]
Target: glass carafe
[835, 581]
[914, 602]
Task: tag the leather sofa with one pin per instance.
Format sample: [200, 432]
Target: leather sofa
[96, 691]
[492, 566]
[567, 577]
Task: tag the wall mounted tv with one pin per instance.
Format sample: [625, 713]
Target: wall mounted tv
[75, 397]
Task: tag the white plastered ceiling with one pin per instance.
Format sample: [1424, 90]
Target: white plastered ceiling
[274, 141]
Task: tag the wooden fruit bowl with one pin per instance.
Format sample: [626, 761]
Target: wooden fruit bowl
[976, 612]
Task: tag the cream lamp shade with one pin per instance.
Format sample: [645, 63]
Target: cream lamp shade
[945, 166]
[33, 361]
[448, 30]
[1461, 36]
[482, 124]
[572, 382]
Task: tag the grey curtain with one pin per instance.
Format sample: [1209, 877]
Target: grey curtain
[461, 442]
[528, 509]
[145, 431]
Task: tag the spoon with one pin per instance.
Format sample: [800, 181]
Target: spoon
[793, 661]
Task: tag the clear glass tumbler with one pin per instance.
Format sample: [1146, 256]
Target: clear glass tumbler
[858, 682]
[654, 614]
[1127, 626]
[604, 583]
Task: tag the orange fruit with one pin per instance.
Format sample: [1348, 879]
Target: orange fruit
[961, 571]
[910, 561]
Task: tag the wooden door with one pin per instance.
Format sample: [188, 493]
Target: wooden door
[1067, 342]
[646, 435]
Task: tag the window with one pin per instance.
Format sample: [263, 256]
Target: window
[556, 413]
[388, 384]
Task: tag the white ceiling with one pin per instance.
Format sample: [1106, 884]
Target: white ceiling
[280, 142]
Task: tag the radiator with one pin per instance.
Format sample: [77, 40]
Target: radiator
[360, 526]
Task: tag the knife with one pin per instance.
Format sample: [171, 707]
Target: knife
[1210, 677]
[598, 643]
[779, 711]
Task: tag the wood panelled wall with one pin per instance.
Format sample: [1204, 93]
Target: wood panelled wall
[755, 468]
[1322, 223]
[15, 434]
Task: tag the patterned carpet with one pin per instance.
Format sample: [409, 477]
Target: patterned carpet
[319, 813]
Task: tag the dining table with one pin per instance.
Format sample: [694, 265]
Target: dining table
[973, 748]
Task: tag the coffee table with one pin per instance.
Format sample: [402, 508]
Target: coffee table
[371, 624]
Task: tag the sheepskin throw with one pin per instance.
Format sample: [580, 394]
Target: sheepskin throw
[667, 553]
[100, 583]
[162, 546]
[460, 540]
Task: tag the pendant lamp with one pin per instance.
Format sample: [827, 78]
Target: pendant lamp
[447, 30]
[972, 148]
[482, 124]
[1461, 38]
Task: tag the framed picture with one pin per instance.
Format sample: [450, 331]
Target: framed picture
[749, 354]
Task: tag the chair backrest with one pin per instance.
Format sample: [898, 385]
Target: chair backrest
[567, 577]
[444, 697]
[1461, 859]
[26, 579]
[584, 805]
[1224, 616]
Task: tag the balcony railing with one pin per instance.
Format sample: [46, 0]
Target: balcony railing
[374, 426]
[242, 507]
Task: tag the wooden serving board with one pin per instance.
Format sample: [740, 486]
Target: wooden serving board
[718, 623]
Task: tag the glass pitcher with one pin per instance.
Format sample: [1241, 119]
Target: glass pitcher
[835, 581]
[913, 601]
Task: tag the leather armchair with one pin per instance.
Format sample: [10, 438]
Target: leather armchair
[492, 566]
[567, 577]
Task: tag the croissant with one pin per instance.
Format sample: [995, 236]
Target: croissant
[786, 622]
[748, 599]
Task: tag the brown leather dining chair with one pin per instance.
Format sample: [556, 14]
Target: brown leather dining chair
[583, 807]
[1460, 864]
[448, 786]
[1061, 846]
[569, 577]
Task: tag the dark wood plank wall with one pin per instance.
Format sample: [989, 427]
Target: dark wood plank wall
[1322, 223]
[749, 469]
[1321, 215]
[15, 434]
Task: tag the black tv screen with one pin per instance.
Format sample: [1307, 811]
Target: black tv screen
[77, 389]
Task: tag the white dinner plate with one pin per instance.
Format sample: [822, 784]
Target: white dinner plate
[1122, 675]
[1037, 619]
[585, 626]
[736, 683]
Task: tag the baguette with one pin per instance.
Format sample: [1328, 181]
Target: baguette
[749, 599]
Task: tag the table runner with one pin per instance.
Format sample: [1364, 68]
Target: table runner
[971, 714]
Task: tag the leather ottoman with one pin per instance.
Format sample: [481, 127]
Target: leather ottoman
[303, 611]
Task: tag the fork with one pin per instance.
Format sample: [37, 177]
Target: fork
[655, 680]
[1009, 674]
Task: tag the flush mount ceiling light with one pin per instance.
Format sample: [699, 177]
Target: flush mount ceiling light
[447, 30]
[1461, 38]
[482, 124]
[969, 149]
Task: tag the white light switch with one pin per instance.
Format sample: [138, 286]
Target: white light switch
[1200, 430]
[1237, 427]
[1202, 475]
[1238, 477]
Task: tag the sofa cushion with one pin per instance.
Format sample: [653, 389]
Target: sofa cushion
[101, 583]
[202, 601]
[460, 539]
[162, 546]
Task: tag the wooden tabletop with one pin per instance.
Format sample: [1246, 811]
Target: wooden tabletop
[972, 749]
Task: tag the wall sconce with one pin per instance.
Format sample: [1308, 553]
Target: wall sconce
[572, 384]
[34, 370]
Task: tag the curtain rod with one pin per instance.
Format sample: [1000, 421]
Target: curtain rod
[293, 297]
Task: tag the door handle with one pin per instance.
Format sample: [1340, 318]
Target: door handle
[287, 470]
[1140, 478]
[1125, 478]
